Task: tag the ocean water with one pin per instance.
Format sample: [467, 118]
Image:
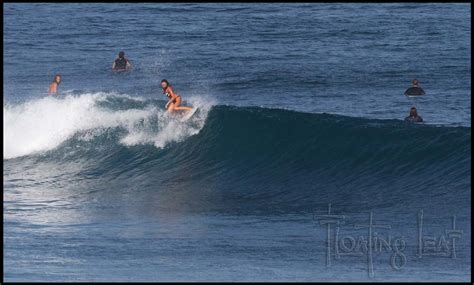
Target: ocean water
[297, 147]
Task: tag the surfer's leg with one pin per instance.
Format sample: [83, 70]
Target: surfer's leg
[177, 105]
[184, 108]
[177, 101]
[171, 107]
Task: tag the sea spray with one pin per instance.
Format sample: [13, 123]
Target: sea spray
[43, 124]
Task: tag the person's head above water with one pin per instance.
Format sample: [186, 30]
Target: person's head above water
[164, 83]
[121, 54]
[415, 83]
[57, 78]
[413, 112]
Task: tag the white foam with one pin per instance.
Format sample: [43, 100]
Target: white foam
[171, 130]
[43, 124]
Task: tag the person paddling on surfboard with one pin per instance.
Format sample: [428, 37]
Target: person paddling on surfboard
[414, 117]
[415, 90]
[175, 100]
[121, 63]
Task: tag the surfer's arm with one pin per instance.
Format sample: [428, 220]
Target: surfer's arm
[173, 97]
[129, 65]
[170, 101]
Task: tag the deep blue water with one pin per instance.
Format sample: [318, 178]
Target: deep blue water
[300, 108]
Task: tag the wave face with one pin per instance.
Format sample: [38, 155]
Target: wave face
[233, 158]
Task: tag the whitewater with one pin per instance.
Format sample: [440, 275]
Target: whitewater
[298, 145]
[43, 124]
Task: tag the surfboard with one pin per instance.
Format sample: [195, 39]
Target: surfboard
[188, 114]
[414, 92]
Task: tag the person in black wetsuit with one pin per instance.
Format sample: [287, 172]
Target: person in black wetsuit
[415, 90]
[121, 63]
[413, 118]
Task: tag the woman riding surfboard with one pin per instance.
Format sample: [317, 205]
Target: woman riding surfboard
[175, 100]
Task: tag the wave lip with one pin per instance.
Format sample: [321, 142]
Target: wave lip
[44, 124]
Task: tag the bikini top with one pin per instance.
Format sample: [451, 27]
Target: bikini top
[165, 91]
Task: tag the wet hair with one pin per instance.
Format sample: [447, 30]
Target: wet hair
[413, 112]
[56, 76]
[121, 54]
[415, 82]
[165, 81]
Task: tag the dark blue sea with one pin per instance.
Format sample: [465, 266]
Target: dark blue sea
[296, 166]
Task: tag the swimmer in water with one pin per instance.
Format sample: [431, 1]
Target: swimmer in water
[53, 87]
[175, 100]
[121, 63]
[415, 90]
[413, 118]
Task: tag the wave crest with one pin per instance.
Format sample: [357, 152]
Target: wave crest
[42, 125]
